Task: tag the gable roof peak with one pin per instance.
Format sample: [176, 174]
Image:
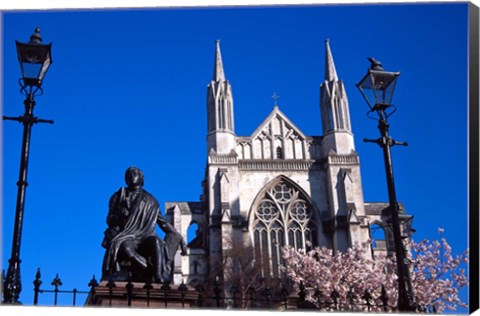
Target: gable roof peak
[276, 113]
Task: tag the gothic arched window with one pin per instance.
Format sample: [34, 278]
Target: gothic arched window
[279, 153]
[378, 239]
[282, 216]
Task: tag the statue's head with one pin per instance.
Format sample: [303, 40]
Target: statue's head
[134, 177]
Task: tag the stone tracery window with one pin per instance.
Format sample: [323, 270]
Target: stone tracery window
[282, 217]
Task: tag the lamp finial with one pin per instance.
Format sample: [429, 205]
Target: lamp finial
[376, 65]
[36, 38]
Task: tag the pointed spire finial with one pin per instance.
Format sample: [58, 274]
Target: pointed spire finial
[330, 71]
[218, 73]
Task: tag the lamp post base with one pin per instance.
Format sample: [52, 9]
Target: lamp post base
[13, 285]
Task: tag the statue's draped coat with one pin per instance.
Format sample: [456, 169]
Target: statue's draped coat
[140, 224]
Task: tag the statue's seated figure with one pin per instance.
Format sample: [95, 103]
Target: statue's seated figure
[133, 249]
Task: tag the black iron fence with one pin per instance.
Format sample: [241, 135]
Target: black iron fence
[214, 296]
[56, 283]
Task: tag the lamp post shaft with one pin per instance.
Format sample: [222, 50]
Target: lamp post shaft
[405, 291]
[35, 58]
[13, 284]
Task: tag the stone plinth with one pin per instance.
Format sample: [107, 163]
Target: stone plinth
[140, 297]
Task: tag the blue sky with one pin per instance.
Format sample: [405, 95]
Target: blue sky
[128, 87]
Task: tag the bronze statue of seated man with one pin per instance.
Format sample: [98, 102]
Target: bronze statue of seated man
[133, 249]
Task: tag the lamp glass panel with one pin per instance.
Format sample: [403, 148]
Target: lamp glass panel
[369, 95]
[366, 88]
[31, 71]
[387, 94]
[44, 69]
[384, 85]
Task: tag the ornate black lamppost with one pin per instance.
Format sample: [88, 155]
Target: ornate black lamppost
[35, 59]
[377, 88]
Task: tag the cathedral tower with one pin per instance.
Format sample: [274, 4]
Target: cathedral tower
[346, 205]
[221, 187]
[221, 133]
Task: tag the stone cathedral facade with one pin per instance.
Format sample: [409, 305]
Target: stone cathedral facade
[276, 186]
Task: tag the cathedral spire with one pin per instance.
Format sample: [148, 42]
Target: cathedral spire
[218, 73]
[221, 132]
[330, 71]
[334, 108]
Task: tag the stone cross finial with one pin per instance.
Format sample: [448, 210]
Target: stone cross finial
[275, 97]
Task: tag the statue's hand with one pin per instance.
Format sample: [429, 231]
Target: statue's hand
[125, 212]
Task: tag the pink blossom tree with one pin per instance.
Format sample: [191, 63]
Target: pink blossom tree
[355, 278]
[438, 275]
